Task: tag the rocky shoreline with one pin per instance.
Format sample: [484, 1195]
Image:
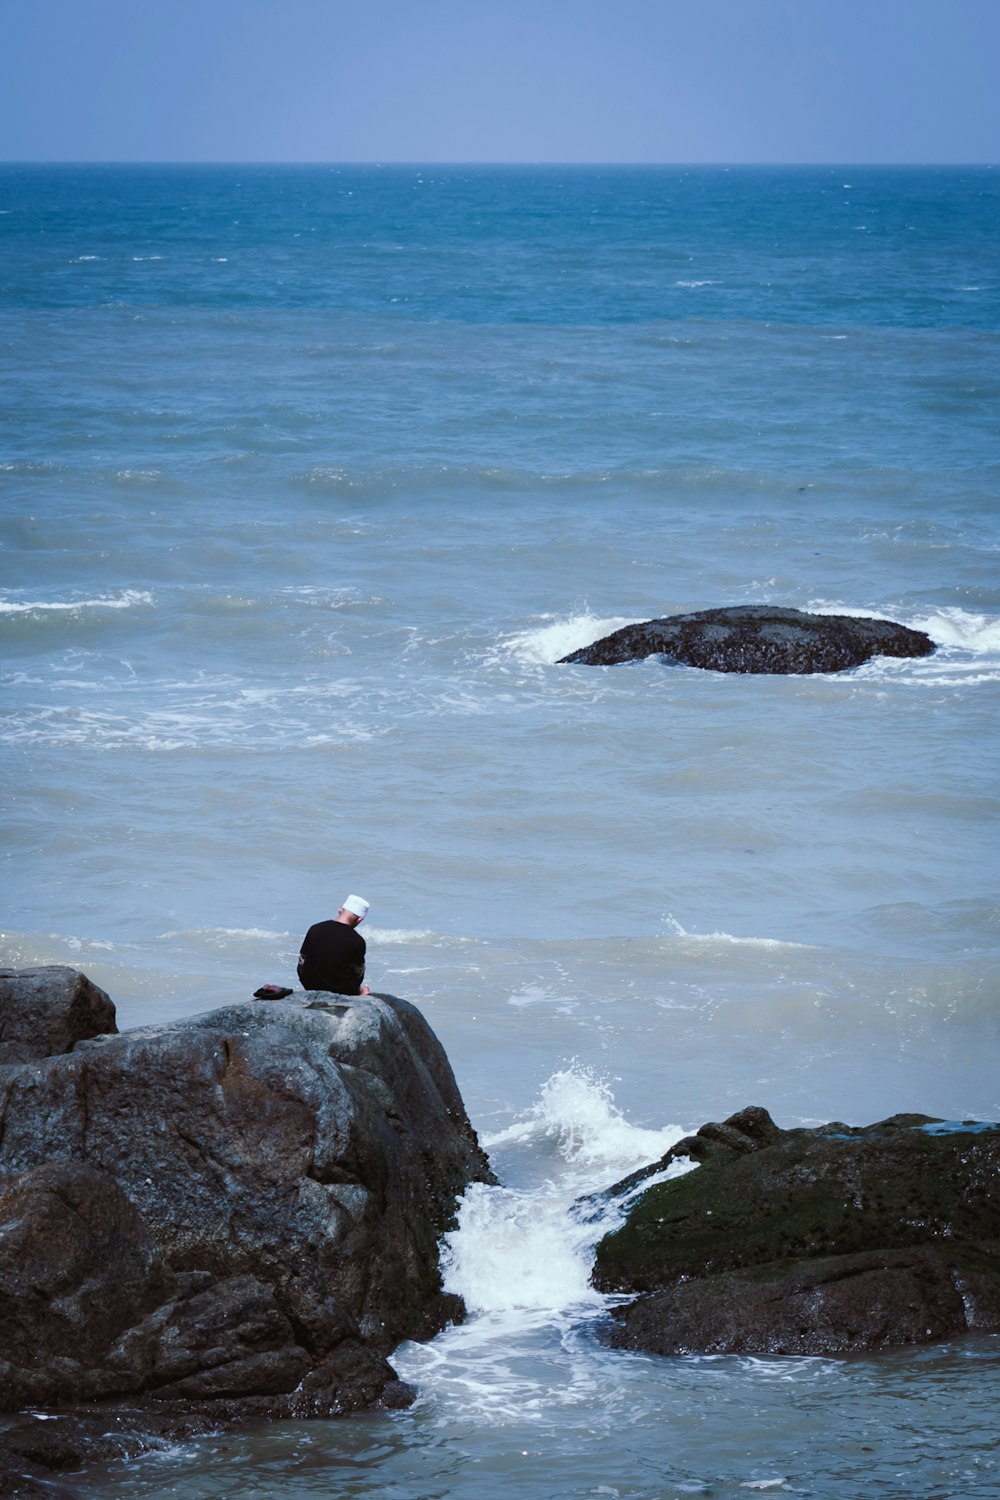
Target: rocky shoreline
[235, 1218]
[227, 1218]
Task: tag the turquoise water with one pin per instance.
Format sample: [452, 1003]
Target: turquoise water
[308, 478]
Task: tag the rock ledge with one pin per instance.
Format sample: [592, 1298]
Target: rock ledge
[840, 1240]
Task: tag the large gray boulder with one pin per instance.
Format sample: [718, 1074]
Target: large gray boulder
[242, 1208]
[47, 1010]
[840, 1240]
[757, 638]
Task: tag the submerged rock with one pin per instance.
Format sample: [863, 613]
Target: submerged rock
[239, 1212]
[812, 1242]
[758, 638]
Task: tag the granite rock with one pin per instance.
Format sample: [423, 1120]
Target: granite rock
[47, 1010]
[239, 1212]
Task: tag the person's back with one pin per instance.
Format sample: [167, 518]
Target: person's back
[333, 953]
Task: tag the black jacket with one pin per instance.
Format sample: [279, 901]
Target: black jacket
[332, 958]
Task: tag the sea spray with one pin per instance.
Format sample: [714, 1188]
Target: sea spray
[521, 1257]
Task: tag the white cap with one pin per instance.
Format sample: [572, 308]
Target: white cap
[356, 905]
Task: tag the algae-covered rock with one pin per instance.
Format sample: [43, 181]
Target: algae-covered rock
[835, 1240]
[758, 638]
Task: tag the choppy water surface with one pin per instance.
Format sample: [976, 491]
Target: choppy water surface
[308, 479]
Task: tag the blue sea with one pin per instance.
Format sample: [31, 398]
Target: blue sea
[308, 478]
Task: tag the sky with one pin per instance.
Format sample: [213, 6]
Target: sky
[845, 81]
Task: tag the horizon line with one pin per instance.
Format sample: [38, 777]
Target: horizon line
[93, 161]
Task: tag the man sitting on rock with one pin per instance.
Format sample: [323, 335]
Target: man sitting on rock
[333, 953]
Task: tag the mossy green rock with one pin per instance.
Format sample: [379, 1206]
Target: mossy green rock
[834, 1240]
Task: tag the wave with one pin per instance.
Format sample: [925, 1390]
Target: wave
[576, 1111]
[709, 939]
[727, 485]
[948, 626]
[210, 724]
[127, 599]
[222, 935]
[521, 1259]
[544, 644]
[387, 937]
[960, 628]
[530, 1248]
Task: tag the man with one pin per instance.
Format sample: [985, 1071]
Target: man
[333, 953]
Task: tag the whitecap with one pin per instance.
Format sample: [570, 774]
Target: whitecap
[536, 994]
[548, 643]
[387, 936]
[960, 627]
[221, 935]
[125, 600]
[576, 1110]
[948, 626]
[744, 942]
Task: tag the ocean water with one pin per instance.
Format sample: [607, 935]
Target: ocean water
[308, 478]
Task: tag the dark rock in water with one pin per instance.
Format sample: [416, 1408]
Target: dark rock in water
[34, 1445]
[758, 638]
[831, 1241]
[47, 1010]
[236, 1214]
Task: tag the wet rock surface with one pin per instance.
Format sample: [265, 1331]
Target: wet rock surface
[232, 1217]
[47, 1010]
[757, 638]
[812, 1242]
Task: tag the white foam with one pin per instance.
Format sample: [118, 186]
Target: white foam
[128, 599]
[949, 626]
[576, 1109]
[223, 935]
[518, 1249]
[383, 937]
[537, 994]
[527, 1250]
[675, 930]
[742, 942]
[546, 644]
[959, 627]
[967, 646]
